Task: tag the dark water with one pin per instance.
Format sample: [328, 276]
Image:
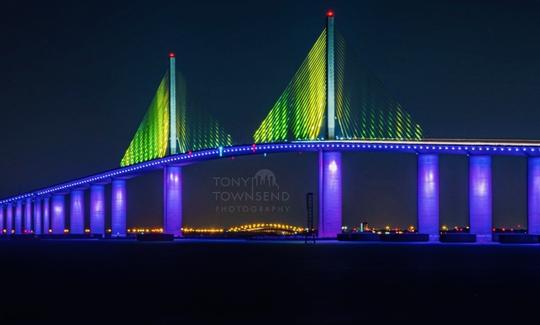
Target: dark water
[228, 282]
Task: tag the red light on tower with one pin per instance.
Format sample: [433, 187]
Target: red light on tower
[330, 13]
[171, 55]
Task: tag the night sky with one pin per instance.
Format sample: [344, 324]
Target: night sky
[76, 80]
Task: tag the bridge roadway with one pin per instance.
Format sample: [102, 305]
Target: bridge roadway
[480, 191]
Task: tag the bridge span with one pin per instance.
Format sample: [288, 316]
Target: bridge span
[45, 208]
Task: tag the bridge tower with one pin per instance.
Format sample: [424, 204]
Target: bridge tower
[173, 150]
[330, 113]
[330, 182]
[172, 175]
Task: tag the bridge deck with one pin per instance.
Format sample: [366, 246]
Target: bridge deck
[523, 148]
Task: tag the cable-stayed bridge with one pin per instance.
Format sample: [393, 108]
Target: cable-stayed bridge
[332, 104]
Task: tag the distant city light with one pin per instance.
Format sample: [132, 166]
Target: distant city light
[145, 230]
[274, 228]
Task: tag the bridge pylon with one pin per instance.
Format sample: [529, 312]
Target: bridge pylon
[173, 149]
[330, 132]
[172, 175]
[330, 180]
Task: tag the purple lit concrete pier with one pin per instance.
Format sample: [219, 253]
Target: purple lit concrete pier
[28, 216]
[330, 198]
[119, 209]
[428, 194]
[18, 217]
[46, 215]
[77, 212]
[2, 227]
[37, 217]
[9, 219]
[533, 192]
[172, 205]
[480, 195]
[97, 209]
[58, 222]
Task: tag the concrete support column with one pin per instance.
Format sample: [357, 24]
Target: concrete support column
[480, 195]
[172, 205]
[330, 199]
[18, 217]
[77, 212]
[58, 220]
[428, 194]
[119, 209]
[2, 223]
[533, 195]
[28, 216]
[9, 219]
[46, 215]
[97, 209]
[37, 217]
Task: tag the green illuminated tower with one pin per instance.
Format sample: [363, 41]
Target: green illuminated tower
[172, 105]
[334, 96]
[330, 115]
[170, 128]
